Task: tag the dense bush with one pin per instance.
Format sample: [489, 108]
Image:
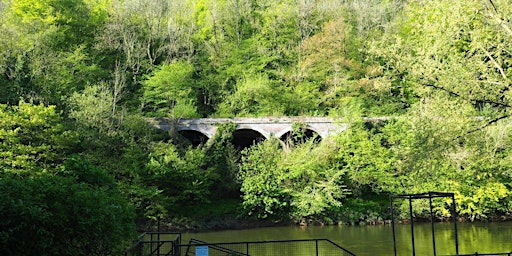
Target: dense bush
[49, 215]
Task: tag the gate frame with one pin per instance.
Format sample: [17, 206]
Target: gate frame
[429, 196]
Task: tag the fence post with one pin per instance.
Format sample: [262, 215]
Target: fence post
[158, 238]
[432, 226]
[454, 213]
[412, 227]
[391, 200]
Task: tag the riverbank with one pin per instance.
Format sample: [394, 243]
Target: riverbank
[186, 224]
[228, 215]
[232, 222]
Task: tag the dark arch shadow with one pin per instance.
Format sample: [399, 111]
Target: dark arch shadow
[244, 138]
[304, 135]
[194, 137]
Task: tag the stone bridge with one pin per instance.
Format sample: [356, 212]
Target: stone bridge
[251, 130]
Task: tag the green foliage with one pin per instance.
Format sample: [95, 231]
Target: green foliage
[298, 183]
[148, 200]
[71, 22]
[179, 176]
[85, 172]
[50, 215]
[48, 55]
[450, 161]
[221, 157]
[33, 139]
[313, 179]
[263, 193]
[253, 96]
[440, 68]
[114, 140]
[363, 211]
[109, 136]
[297, 134]
[93, 107]
[194, 176]
[427, 153]
[366, 158]
[452, 49]
[222, 210]
[170, 91]
[480, 201]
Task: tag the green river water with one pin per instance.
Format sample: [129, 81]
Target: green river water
[378, 240]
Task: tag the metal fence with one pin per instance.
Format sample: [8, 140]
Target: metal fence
[303, 247]
[150, 244]
[483, 254]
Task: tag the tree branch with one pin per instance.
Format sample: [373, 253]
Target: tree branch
[496, 64]
[501, 104]
[499, 20]
[490, 122]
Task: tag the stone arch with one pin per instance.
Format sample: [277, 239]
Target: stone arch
[309, 133]
[195, 137]
[244, 138]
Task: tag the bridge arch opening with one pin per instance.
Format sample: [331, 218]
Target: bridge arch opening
[244, 138]
[303, 135]
[195, 138]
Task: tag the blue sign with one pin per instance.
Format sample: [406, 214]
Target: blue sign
[202, 250]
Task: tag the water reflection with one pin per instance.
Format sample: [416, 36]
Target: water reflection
[378, 240]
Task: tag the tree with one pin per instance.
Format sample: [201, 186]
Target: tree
[180, 177]
[140, 35]
[365, 155]
[256, 96]
[46, 48]
[441, 155]
[324, 64]
[94, 108]
[429, 149]
[451, 48]
[33, 139]
[455, 58]
[49, 215]
[170, 91]
[62, 23]
[263, 193]
[191, 176]
[295, 184]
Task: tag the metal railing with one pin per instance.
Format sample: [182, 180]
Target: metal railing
[483, 254]
[151, 244]
[302, 247]
[214, 247]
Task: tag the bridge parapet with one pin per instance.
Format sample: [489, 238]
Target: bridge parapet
[266, 126]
